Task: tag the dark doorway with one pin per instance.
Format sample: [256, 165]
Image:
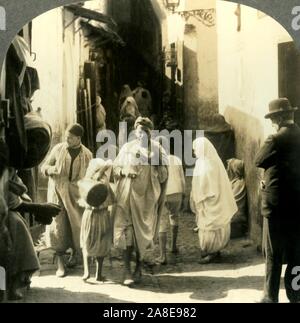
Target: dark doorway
[289, 74]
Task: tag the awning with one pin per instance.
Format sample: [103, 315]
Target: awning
[101, 36]
[91, 14]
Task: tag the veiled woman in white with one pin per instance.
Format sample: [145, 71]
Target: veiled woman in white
[211, 200]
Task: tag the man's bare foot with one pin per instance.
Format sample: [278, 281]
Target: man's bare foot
[61, 273]
[128, 279]
[85, 277]
[61, 269]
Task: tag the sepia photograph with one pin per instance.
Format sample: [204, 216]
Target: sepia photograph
[150, 153]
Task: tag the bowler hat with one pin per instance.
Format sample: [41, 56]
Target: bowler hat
[279, 106]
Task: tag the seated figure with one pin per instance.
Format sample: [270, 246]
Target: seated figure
[235, 170]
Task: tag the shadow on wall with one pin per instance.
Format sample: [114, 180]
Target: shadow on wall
[248, 137]
[198, 109]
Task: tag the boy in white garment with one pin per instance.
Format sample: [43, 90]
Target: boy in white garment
[174, 201]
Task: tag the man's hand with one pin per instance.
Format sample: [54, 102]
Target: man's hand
[52, 171]
[262, 185]
[132, 175]
[128, 173]
[17, 188]
[50, 209]
[44, 213]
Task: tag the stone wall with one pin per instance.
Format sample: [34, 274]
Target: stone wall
[248, 134]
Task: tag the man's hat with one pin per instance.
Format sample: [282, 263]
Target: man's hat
[144, 122]
[279, 106]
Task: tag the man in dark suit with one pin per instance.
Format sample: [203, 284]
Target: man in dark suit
[280, 158]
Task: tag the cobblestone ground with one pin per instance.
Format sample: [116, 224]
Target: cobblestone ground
[237, 277]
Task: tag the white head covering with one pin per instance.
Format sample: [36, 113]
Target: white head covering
[94, 175]
[130, 108]
[98, 167]
[211, 188]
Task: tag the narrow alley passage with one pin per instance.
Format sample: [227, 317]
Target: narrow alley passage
[237, 278]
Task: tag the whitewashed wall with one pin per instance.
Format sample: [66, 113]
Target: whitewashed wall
[60, 55]
[248, 81]
[48, 48]
[248, 60]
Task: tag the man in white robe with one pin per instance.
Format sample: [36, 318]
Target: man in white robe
[140, 197]
[65, 166]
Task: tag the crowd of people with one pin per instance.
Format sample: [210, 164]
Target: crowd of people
[128, 202]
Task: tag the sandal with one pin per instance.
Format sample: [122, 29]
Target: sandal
[209, 258]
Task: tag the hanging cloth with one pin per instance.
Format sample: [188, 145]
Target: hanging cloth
[23, 52]
[3, 79]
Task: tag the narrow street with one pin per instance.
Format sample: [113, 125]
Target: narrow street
[238, 278]
[86, 107]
